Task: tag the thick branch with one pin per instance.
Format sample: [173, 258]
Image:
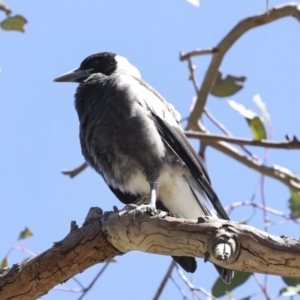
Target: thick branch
[104, 236]
[207, 138]
[290, 9]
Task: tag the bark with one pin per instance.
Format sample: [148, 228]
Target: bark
[103, 236]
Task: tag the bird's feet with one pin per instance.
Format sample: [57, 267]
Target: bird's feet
[148, 208]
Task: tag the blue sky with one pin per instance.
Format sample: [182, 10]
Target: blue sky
[40, 127]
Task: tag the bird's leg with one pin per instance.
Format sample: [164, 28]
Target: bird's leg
[153, 194]
[152, 176]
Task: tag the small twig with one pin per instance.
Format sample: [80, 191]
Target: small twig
[288, 145]
[197, 52]
[262, 207]
[264, 204]
[23, 249]
[78, 282]
[283, 175]
[194, 288]
[64, 289]
[182, 292]
[192, 77]
[264, 291]
[76, 171]
[262, 181]
[165, 280]
[94, 280]
[224, 129]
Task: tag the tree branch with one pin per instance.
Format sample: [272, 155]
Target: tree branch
[208, 138]
[104, 236]
[165, 280]
[282, 174]
[290, 9]
[76, 171]
[197, 52]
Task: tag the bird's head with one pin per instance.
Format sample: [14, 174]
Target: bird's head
[105, 63]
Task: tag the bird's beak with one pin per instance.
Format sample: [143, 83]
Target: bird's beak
[75, 75]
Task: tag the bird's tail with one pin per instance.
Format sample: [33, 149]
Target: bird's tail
[225, 274]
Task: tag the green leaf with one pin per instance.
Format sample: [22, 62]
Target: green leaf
[25, 260]
[26, 233]
[291, 281]
[4, 263]
[14, 23]
[257, 128]
[262, 107]
[255, 123]
[228, 86]
[5, 8]
[245, 221]
[290, 291]
[294, 204]
[220, 288]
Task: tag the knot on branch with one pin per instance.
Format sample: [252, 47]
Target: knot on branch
[94, 214]
[223, 246]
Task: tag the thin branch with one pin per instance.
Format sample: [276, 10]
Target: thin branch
[79, 283]
[94, 280]
[264, 291]
[264, 204]
[290, 9]
[197, 52]
[194, 288]
[224, 129]
[165, 280]
[260, 206]
[282, 174]
[64, 289]
[287, 145]
[192, 77]
[182, 292]
[76, 171]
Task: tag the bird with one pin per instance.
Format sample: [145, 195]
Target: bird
[132, 137]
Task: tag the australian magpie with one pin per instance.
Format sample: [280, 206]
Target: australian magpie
[132, 136]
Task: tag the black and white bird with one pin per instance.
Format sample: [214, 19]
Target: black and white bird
[132, 137]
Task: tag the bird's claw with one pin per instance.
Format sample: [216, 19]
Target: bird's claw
[148, 208]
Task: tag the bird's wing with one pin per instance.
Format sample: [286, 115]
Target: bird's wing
[167, 123]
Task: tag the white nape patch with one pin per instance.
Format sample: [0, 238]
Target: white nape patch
[123, 65]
